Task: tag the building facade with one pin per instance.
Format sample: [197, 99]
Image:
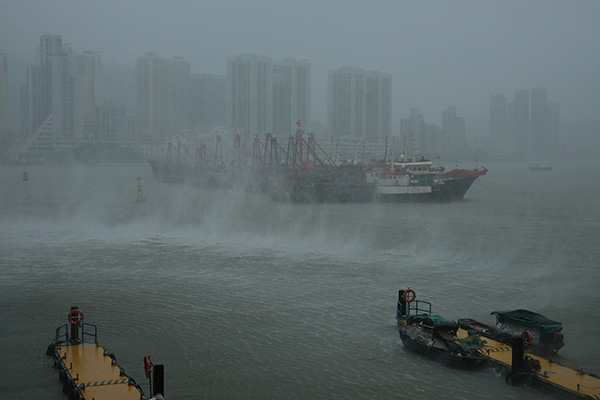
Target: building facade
[58, 99]
[498, 115]
[359, 104]
[531, 123]
[521, 120]
[88, 65]
[249, 94]
[3, 93]
[540, 138]
[553, 126]
[163, 87]
[379, 106]
[346, 102]
[291, 96]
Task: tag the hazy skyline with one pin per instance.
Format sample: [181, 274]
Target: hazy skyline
[439, 53]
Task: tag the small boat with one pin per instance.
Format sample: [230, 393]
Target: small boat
[25, 176]
[538, 167]
[435, 336]
[542, 336]
[88, 371]
[466, 344]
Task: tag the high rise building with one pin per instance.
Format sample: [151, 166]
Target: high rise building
[249, 94]
[163, 95]
[553, 126]
[208, 101]
[3, 93]
[454, 132]
[88, 65]
[57, 99]
[521, 120]
[379, 106]
[291, 96]
[540, 138]
[346, 102]
[36, 93]
[498, 115]
[110, 122]
[413, 131]
[359, 104]
[62, 89]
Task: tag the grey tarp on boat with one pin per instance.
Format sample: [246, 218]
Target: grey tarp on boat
[528, 319]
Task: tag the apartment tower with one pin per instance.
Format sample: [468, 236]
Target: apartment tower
[249, 95]
[3, 93]
[291, 96]
[163, 95]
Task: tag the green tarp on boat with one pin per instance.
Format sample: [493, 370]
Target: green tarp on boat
[435, 321]
[471, 343]
[528, 319]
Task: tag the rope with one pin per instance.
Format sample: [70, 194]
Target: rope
[503, 190]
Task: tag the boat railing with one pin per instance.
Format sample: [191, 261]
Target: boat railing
[61, 336]
[87, 331]
[414, 308]
[419, 307]
[92, 332]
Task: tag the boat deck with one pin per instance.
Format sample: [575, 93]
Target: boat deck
[95, 373]
[552, 375]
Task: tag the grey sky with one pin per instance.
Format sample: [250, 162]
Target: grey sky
[439, 53]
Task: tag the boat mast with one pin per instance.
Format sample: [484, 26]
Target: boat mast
[385, 153]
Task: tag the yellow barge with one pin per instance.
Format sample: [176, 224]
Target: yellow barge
[517, 365]
[89, 372]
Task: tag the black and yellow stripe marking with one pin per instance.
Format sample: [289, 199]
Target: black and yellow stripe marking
[102, 383]
[495, 349]
[556, 376]
[95, 374]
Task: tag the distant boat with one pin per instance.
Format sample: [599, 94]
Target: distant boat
[25, 176]
[538, 167]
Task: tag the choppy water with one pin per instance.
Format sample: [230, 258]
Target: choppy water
[244, 298]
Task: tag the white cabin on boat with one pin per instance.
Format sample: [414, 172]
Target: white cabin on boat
[406, 178]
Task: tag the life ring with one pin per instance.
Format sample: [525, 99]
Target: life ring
[396, 182]
[75, 317]
[147, 366]
[409, 295]
[527, 339]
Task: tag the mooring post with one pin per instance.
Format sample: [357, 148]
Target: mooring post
[74, 324]
[518, 352]
[401, 308]
[158, 386]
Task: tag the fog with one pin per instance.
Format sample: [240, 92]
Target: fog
[439, 53]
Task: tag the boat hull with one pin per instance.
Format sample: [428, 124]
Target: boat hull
[437, 349]
[459, 181]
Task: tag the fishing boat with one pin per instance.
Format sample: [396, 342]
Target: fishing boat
[89, 372]
[434, 336]
[542, 336]
[322, 184]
